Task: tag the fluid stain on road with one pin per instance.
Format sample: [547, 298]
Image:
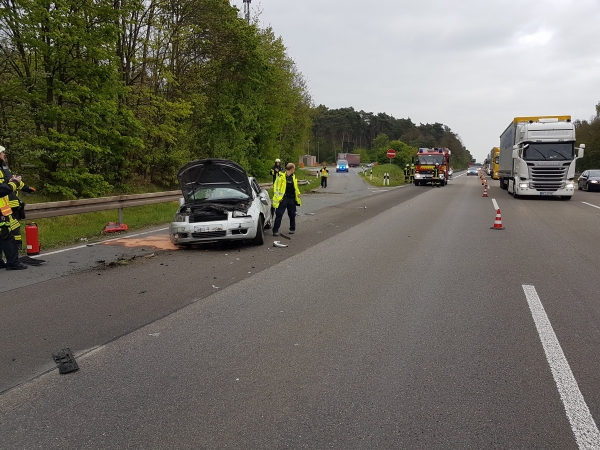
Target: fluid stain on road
[159, 242]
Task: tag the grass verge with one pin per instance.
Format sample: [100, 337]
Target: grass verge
[396, 175]
[68, 230]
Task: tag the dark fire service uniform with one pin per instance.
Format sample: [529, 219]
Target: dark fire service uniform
[406, 174]
[17, 206]
[8, 225]
[435, 176]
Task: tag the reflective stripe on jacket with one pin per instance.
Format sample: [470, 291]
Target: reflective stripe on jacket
[279, 189]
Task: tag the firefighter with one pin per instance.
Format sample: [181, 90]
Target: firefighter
[435, 175]
[406, 174]
[17, 206]
[286, 196]
[324, 172]
[276, 169]
[8, 225]
[412, 173]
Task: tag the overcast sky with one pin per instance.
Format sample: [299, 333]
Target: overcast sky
[472, 65]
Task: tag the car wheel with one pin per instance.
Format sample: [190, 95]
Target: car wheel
[578, 187]
[587, 187]
[259, 239]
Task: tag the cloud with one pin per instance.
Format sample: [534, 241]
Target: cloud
[471, 65]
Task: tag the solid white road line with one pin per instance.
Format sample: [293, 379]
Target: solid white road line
[582, 423]
[589, 204]
[495, 203]
[97, 243]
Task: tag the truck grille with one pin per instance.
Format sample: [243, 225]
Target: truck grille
[548, 179]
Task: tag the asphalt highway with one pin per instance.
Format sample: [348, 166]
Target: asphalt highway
[395, 318]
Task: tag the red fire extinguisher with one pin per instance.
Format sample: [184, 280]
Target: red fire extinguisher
[32, 239]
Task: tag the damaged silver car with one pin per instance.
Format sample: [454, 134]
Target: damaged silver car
[220, 202]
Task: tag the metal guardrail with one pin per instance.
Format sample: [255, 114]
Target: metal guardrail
[68, 207]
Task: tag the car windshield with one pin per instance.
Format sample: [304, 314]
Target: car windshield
[550, 151]
[430, 159]
[342, 162]
[215, 194]
[594, 173]
[473, 169]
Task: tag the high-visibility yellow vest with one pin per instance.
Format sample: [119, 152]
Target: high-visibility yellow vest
[279, 189]
[5, 208]
[324, 172]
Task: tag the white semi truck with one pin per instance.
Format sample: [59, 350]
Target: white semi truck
[537, 157]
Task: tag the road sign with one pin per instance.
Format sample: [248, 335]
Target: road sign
[391, 153]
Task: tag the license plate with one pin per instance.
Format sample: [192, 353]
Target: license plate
[200, 229]
[546, 193]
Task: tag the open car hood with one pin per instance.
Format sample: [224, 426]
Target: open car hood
[212, 173]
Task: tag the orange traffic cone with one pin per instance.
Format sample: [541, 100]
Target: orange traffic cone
[482, 182]
[485, 191]
[498, 221]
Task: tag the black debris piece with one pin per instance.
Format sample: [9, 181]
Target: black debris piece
[65, 361]
[32, 261]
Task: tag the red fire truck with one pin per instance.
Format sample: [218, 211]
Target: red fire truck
[425, 162]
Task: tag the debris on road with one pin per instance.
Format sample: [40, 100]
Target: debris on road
[114, 227]
[279, 244]
[216, 287]
[65, 361]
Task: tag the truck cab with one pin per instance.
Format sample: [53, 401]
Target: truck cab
[538, 156]
[425, 162]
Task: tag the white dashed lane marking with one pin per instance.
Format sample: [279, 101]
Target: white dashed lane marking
[581, 420]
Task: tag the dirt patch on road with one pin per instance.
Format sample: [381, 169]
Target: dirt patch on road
[159, 242]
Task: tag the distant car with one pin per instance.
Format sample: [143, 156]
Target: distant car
[370, 165]
[341, 166]
[473, 170]
[220, 202]
[589, 180]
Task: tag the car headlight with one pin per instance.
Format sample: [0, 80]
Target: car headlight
[523, 185]
[239, 214]
[180, 217]
[569, 186]
[594, 181]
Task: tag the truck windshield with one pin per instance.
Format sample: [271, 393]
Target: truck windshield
[549, 151]
[430, 159]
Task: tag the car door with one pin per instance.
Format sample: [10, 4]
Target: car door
[582, 180]
[259, 192]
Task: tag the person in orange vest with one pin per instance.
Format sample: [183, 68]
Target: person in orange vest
[8, 224]
[324, 175]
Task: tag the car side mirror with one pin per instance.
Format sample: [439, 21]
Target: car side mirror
[264, 199]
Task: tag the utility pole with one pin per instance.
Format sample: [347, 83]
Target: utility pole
[247, 10]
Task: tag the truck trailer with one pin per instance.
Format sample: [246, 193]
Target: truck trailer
[537, 157]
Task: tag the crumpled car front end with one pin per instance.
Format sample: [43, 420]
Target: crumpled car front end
[218, 204]
[214, 222]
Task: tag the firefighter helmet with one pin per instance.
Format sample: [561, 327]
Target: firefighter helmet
[277, 160]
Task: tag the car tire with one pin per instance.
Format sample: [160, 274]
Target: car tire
[587, 187]
[259, 239]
